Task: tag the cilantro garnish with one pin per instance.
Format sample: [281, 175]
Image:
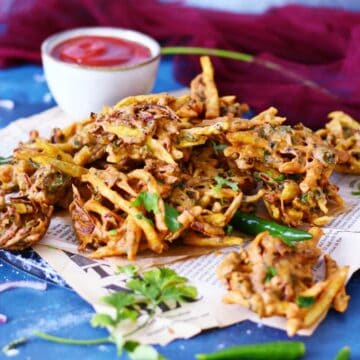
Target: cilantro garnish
[221, 182]
[149, 291]
[148, 200]
[280, 177]
[171, 215]
[129, 270]
[112, 232]
[305, 301]
[270, 273]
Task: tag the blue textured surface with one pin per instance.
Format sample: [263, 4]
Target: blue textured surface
[62, 312]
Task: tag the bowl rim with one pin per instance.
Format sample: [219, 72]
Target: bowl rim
[50, 42]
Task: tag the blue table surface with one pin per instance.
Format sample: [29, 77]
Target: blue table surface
[62, 312]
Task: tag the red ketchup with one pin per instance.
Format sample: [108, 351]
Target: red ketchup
[92, 50]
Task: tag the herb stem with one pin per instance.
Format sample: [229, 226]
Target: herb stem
[245, 57]
[187, 50]
[142, 326]
[62, 340]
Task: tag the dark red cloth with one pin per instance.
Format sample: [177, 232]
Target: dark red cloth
[320, 45]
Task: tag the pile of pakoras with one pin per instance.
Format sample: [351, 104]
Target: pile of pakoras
[156, 169]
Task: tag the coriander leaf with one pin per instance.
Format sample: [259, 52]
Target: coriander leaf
[131, 345]
[221, 182]
[270, 273]
[128, 314]
[144, 352]
[102, 320]
[141, 287]
[148, 200]
[119, 300]
[112, 232]
[218, 147]
[229, 229]
[142, 217]
[171, 215]
[129, 270]
[305, 301]
[179, 293]
[356, 193]
[279, 177]
[169, 277]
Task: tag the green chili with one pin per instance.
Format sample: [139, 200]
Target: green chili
[253, 225]
[281, 350]
[343, 354]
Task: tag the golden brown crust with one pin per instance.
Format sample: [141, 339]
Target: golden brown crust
[195, 154]
[272, 278]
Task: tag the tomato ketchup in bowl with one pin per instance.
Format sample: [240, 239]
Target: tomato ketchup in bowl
[93, 50]
[89, 68]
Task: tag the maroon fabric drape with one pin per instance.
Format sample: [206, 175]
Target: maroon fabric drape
[319, 45]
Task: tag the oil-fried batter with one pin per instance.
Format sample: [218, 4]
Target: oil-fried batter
[155, 169]
[272, 278]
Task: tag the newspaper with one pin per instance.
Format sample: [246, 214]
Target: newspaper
[92, 279]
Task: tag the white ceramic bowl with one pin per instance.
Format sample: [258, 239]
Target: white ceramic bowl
[80, 89]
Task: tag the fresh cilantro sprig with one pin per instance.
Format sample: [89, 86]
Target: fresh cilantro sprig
[171, 215]
[129, 270]
[148, 200]
[270, 273]
[221, 182]
[149, 291]
[305, 301]
[280, 177]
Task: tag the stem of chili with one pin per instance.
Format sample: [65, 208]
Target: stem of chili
[253, 225]
[343, 354]
[282, 350]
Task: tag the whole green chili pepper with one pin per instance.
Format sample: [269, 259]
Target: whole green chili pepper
[253, 225]
[343, 354]
[281, 350]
